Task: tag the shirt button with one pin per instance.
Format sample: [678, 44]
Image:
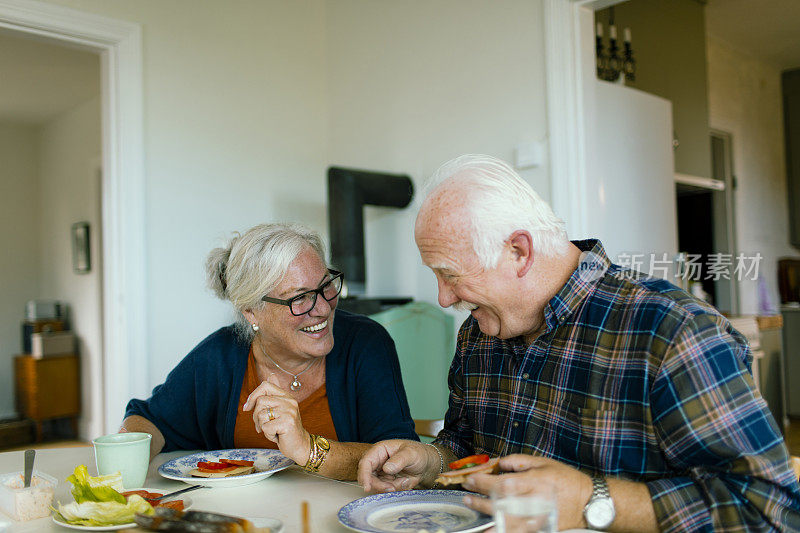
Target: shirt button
[525, 375]
[516, 424]
[562, 319]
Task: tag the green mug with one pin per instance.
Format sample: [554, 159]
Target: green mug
[128, 453]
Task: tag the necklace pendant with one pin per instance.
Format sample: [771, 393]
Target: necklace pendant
[295, 384]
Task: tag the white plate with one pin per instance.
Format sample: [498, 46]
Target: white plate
[93, 528]
[187, 502]
[413, 510]
[267, 462]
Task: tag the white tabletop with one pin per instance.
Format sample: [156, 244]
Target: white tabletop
[279, 496]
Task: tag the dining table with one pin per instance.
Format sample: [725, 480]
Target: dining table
[279, 496]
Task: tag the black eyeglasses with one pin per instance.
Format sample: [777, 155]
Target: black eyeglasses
[305, 302]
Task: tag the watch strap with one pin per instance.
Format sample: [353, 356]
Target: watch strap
[599, 488]
[600, 496]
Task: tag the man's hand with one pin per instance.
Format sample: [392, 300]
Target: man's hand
[396, 464]
[573, 487]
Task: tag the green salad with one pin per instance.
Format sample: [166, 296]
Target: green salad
[99, 502]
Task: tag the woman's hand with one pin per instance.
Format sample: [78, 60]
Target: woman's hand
[284, 426]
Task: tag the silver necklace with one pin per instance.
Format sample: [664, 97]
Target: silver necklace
[295, 384]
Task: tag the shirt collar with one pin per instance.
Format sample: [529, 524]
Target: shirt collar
[592, 267]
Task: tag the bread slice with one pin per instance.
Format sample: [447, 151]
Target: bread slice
[456, 477]
[238, 471]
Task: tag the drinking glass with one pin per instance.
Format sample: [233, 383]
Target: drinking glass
[524, 505]
[128, 453]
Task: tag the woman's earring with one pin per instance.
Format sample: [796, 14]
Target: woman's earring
[255, 326]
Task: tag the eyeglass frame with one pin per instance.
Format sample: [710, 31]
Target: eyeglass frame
[317, 292]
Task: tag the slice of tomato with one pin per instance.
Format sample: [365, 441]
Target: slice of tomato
[211, 466]
[215, 470]
[173, 504]
[236, 462]
[143, 493]
[467, 462]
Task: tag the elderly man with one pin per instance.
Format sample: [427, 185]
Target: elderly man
[631, 397]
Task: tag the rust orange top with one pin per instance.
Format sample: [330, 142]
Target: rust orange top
[314, 412]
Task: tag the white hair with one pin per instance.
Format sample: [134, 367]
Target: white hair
[253, 264]
[499, 202]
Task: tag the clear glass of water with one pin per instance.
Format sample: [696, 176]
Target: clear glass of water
[524, 505]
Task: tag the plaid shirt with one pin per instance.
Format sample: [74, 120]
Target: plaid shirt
[632, 378]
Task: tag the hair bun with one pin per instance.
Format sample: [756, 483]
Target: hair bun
[216, 269]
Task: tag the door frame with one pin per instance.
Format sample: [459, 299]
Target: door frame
[729, 193]
[119, 44]
[569, 69]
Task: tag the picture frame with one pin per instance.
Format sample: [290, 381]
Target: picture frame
[81, 250]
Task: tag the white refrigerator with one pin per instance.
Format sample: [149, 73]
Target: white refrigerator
[630, 175]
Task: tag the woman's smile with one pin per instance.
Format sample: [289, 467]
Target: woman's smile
[317, 330]
[316, 327]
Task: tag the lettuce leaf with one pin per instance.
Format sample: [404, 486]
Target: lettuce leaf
[98, 501]
[96, 489]
[104, 513]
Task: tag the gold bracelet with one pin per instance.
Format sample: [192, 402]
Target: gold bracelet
[311, 451]
[323, 447]
[319, 451]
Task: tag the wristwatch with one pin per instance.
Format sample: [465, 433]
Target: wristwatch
[599, 512]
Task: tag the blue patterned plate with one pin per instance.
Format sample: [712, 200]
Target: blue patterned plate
[267, 462]
[412, 510]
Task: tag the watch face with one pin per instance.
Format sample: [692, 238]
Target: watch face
[600, 514]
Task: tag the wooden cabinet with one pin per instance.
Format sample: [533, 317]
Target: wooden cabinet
[47, 388]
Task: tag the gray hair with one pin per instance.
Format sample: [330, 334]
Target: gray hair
[253, 264]
[499, 202]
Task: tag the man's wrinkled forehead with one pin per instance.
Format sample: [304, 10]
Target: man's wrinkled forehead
[444, 208]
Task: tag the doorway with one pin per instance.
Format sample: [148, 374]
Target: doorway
[707, 232]
[50, 114]
[119, 46]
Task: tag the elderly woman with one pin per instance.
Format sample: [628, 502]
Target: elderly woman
[293, 373]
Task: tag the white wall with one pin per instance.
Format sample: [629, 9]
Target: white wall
[19, 242]
[415, 83]
[235, 118]
[247, 103]
[745, 100]
[69, 183]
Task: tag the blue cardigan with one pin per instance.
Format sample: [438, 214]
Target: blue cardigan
[196, 407]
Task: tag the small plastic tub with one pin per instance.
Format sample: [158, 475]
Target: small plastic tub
[22, 503]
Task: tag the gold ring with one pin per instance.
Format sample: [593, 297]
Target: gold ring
[270, 414]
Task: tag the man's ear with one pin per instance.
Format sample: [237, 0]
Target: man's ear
[521, 247]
